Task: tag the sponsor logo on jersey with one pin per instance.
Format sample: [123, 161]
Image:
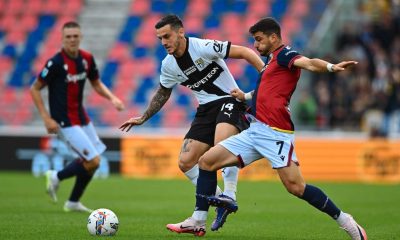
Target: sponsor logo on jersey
[76, 77]
[190, 70]
[210, 75]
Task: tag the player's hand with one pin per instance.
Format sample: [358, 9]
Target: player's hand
[126, 126]
[51, 125]
[238, 94]
[343, 65]
[118, 104]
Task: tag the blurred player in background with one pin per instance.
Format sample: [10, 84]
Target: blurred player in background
[65, 75]
[198, 64]
[271, 133]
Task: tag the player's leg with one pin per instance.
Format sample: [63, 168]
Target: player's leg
[85, 142]
[230, 174]
[295, 184]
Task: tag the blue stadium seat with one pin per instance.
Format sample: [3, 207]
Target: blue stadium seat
[10, 51]
[109, 71]
[178, 7]
[159, 6]
[139, 52]
[278, 8]
[239, 6]
[212, 21]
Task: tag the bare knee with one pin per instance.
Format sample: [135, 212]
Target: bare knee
[295, 188]
[207, 164]
[185, 165]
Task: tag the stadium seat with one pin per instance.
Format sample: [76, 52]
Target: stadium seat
[140, 7]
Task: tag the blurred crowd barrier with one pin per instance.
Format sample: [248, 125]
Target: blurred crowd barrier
[321, 159]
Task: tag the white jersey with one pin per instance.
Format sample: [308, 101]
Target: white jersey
[201, 68]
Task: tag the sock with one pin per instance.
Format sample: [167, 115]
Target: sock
[200, 215]
[342, 218]
[82, 180]
[193, 174]
[230, 175]
[206, 185]
[72, 169]
[318, 199]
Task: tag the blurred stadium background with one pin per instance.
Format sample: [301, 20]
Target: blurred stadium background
[348, 125]
[361, 103]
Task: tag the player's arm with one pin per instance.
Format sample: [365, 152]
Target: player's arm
[319, 65]
[240, 52]
[103, 90]
[157, 102]
[50, 124]
[242, 96]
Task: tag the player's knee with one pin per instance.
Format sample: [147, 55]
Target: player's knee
[295, 188]
[185, 166]
[206, 164]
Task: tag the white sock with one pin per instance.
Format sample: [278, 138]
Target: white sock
[193, 174]
[54, 177]
[342, 218]
[200, 215]
[230, 175]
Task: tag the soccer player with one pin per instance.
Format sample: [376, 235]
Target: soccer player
[65, 75]
[198, 64]
[271, 133]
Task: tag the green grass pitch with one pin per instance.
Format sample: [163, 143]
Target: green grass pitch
[144, 207]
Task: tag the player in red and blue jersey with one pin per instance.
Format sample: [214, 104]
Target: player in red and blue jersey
[271, 132]
[65, 75]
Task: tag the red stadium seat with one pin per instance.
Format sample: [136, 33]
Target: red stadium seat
[120, 52]
[199, 8]
[175, 117]
[28, 22]
[140, 7]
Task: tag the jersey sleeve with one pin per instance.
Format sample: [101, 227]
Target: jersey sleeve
[48, 72]
[93, 71]
[214, 49]
[287, 56]
[167, 79]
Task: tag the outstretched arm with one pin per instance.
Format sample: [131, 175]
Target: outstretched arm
[249, 55]
[319, 65]
[50, 124]
[157, 102]
[103, 90]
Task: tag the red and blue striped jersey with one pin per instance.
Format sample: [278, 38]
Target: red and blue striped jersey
[65, 78]
[274, 89]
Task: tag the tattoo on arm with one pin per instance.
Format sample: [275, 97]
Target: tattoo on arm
[157, 102]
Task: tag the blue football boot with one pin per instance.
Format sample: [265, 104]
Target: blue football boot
[225, 206]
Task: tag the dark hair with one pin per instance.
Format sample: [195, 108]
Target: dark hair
[170, 19]
[267, 26]
[71, 24]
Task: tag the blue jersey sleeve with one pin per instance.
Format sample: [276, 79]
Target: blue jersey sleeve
[286, 57]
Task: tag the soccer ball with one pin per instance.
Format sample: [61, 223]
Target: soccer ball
[102, 222]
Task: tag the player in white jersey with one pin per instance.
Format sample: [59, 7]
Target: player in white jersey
[198, 64]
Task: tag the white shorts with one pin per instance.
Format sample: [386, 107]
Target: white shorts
[259, 141]
[83, 140]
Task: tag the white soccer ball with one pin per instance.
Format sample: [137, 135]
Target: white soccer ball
[102, 222]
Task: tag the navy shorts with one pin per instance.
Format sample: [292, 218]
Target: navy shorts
[225, 110]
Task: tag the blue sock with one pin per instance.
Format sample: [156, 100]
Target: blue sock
[318, 199]
[72, 169]
[82, 180]
[206, 185]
